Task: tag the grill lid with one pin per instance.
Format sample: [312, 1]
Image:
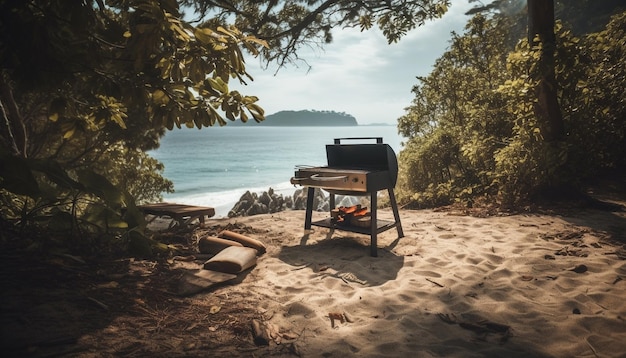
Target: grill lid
[373, 157]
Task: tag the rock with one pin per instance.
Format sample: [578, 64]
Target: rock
[265, 198]
[256, 209]
[243, 205]
[319, 200]
[270, 202]
[299, 200]
[289, 202]
[344, 200]
[277, 203]
[579, 269]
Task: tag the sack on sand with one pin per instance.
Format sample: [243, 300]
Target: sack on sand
[213, 245]
[244, 240]
[233, 259]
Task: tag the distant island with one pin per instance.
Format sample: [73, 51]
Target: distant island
[379, 124]
[305, 118]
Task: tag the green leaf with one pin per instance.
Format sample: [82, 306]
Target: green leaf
[55, 173]
[99, 185]
[218, 84]
[103, 217]
[206, 36]
[256, 111]
[117, 118]
[159, 97]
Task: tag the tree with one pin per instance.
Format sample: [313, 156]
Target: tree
[458, 118]
[87, 87]
[540, 32]
[541, 35]
[476, 133]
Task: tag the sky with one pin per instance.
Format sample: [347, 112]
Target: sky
[359, 73]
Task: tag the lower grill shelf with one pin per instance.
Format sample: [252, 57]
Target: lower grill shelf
[381, 225]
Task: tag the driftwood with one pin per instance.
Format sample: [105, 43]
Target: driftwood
[232, 259]
[260, 333]
[244, 240]
[265, 332]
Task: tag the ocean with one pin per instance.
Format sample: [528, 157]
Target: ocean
[215, 166]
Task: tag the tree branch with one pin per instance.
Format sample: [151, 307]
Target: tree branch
[13, 130]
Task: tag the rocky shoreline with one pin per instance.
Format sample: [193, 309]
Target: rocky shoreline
[269, 201]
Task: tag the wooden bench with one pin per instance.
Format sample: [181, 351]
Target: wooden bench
[181, 213]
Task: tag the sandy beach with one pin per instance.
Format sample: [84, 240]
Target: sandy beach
[524, 285]
[456, 285]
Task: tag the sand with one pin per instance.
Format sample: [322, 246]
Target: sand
[525, 285]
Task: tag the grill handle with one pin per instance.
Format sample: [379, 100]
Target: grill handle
[295, 181]
[379, 140]
[317, 177]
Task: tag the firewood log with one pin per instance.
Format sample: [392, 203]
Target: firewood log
[244, 240]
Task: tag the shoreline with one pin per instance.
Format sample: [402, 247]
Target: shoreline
[224, 201]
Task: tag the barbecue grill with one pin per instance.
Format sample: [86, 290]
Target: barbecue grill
[354, 170]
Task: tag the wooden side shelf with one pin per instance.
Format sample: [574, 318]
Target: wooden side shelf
[183, 214]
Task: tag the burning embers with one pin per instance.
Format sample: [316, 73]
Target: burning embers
[351, 215]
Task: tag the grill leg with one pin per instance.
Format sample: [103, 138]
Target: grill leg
[309, 208]
[374, 225]
[396, 215]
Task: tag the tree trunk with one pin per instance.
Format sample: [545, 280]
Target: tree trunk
[541, 33]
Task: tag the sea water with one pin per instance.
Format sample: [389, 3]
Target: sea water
[215, 166]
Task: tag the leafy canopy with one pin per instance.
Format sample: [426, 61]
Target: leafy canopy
[88, 87]
[288, 25]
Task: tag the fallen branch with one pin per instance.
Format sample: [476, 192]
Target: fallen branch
[100, 304]
[595, 353]
[436, 283]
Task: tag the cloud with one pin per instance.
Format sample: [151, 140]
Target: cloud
[359, 73]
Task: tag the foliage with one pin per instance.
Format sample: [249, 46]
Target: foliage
[472, 137]
[290, 24]
[82, 107]
[88, 87]
[530, 166]
[457, 117]
[594, 98]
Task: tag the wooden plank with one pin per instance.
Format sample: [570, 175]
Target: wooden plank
[182, 213]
